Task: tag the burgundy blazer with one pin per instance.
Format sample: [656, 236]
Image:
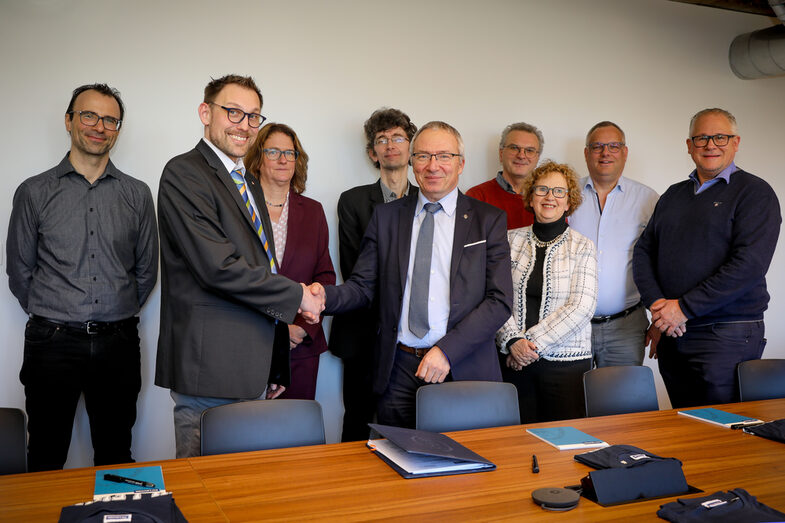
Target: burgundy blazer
[307, 259]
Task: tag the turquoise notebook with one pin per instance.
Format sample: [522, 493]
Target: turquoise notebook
[104, 487]
[718, 417]
[567, 438]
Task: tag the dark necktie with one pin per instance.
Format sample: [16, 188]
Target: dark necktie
[421, 274]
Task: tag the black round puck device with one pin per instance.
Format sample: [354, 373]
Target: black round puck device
[556, 498]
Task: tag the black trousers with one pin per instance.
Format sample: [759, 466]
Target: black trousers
[548, 390]
[359, 400]
[59, 365]
[398, 404]
[699, 368]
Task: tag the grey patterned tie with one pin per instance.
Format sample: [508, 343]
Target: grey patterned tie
[421, 274]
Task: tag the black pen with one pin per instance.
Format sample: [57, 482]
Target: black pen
[535, 465]
[130, 481]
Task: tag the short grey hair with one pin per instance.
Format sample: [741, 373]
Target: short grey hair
[436, 124]
[714, 110]
[526, 127]
[605, 123]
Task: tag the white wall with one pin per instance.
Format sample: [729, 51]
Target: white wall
[324, 67]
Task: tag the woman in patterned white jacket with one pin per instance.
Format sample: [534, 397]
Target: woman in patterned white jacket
[545, 346]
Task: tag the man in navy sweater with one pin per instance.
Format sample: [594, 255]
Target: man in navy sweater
[701, 263]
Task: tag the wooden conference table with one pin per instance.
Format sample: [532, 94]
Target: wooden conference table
[345, 482]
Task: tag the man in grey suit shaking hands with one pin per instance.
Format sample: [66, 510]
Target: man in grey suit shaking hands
[224, 308]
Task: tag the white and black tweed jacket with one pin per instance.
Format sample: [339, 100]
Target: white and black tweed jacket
[569, 295]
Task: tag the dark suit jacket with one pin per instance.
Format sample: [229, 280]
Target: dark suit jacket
[355, 331]
[219, 300]
[480, 285]
[307, 259]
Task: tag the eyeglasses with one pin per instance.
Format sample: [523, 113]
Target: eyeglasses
[383, 140]
[442, 158]
[238, 115]
[599, 147]
[529, 152]
[274, 154]
[543, 190]
[90, 118]
[720, 140]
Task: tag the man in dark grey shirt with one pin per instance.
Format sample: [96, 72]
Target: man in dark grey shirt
[82, 260]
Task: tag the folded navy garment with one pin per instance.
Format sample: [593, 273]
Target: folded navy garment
[626, 473]
[772, 430]
[736, 506]
[619, 456]
[157, 507]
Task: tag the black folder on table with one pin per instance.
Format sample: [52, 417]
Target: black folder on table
[421, 454]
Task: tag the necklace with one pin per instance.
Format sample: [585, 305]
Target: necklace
[539, 243]
[275, 204]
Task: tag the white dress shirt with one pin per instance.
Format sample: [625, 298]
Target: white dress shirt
[439, 285]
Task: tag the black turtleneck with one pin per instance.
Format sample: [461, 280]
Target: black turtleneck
[544, 232]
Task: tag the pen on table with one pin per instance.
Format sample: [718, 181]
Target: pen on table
[130, 481]
[535, 465]
[746, 424]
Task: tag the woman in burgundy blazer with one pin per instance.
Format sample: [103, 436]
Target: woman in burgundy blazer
[301, 240]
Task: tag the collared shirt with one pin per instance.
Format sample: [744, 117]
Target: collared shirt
[230, 166]
[389, 195]
[80, 252]
[723, 175]
[439, 284]
[504, 184]
[614, 231]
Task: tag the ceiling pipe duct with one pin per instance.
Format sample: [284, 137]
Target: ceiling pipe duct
[760, 54]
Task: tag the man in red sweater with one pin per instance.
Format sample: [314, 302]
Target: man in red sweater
[519, 152]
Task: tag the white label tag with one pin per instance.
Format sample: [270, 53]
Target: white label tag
[636, 457]
[713, 503]
[116, 518]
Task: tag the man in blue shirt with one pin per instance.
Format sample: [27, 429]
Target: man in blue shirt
[614, 212]
[701, 265]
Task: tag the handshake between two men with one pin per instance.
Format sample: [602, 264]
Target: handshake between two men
[433, 368]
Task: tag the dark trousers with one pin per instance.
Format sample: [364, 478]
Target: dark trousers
[359, 400]
[699, 368]
[59, 365]
[397, 406]
[548, 390]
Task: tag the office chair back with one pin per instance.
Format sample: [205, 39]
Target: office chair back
[462, 405]
[13, 441]
[261, 424]
[619, 390]
[761, 379]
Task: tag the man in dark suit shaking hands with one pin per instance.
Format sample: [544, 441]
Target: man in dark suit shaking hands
[439, 264]
[224, 308]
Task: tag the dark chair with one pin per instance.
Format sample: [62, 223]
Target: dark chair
[261, 424]
[462, 405]
[13, 441]
[619, 390]
[761, 379]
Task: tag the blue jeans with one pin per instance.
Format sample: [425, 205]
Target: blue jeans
[699, 368]
[59, 365]
[188, 420]
[620, 341]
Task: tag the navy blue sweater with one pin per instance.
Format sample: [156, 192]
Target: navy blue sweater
[710, 250]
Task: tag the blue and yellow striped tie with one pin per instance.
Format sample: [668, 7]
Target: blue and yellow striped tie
[239, 181]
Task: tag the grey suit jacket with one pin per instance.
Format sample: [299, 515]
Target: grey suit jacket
[219, 299]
